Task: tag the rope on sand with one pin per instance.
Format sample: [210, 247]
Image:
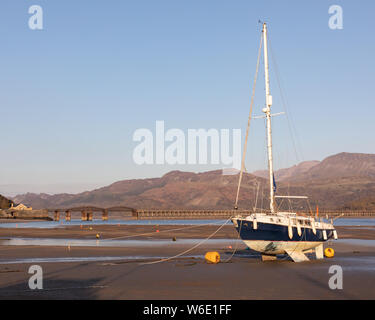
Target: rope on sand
[188, 250]
[161, 231]
[236, 248]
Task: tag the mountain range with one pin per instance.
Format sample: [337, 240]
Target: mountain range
[341, 181]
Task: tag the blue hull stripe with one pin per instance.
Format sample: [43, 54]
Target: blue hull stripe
[274, 232]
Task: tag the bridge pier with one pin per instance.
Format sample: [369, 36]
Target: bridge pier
[83, 215]
[57, 215]
[68, 215]
[136, 213]
[105, 215]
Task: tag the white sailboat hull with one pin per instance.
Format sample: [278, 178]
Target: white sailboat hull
[281, 247]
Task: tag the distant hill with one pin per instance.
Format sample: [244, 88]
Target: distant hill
[288, 173]
[341, 165]
[345, 180]
[175, 190]
[336, 166]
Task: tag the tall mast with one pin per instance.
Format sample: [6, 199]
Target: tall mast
[267, 111]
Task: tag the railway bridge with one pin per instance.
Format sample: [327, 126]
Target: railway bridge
[87, 213]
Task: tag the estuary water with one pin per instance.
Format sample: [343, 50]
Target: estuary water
[365, 222]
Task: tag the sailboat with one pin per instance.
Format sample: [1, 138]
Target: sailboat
[276, 233]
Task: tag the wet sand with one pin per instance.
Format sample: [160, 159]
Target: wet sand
[157, 232]
[125, 277]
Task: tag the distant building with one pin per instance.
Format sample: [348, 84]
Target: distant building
[20, 207]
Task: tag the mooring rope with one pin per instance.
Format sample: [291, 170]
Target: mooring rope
[188, 250]
[77, 241]
[236, 248]
[162, 231]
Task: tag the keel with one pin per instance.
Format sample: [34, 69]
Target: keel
[319, 251]
[268, 257]
[297, 256]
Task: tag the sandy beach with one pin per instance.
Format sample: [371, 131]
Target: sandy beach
[116, 271]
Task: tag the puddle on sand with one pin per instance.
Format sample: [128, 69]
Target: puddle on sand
[357, 263]
[362, 228]
[355, 222]
[143, 243]
[359, 242]
[113, 243]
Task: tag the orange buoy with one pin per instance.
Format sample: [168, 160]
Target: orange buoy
[212, 257]
[329, 252]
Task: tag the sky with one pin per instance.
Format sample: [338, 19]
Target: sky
[73, 94]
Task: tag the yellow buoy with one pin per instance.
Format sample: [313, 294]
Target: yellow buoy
[212, 257]
[329, 252]
[97, 236]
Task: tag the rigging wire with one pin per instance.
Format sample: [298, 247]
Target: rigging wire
[262, 197]
[291, 127]
[256, 197]
[248, 125]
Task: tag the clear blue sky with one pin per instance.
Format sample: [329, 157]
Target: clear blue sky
[72, 94]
